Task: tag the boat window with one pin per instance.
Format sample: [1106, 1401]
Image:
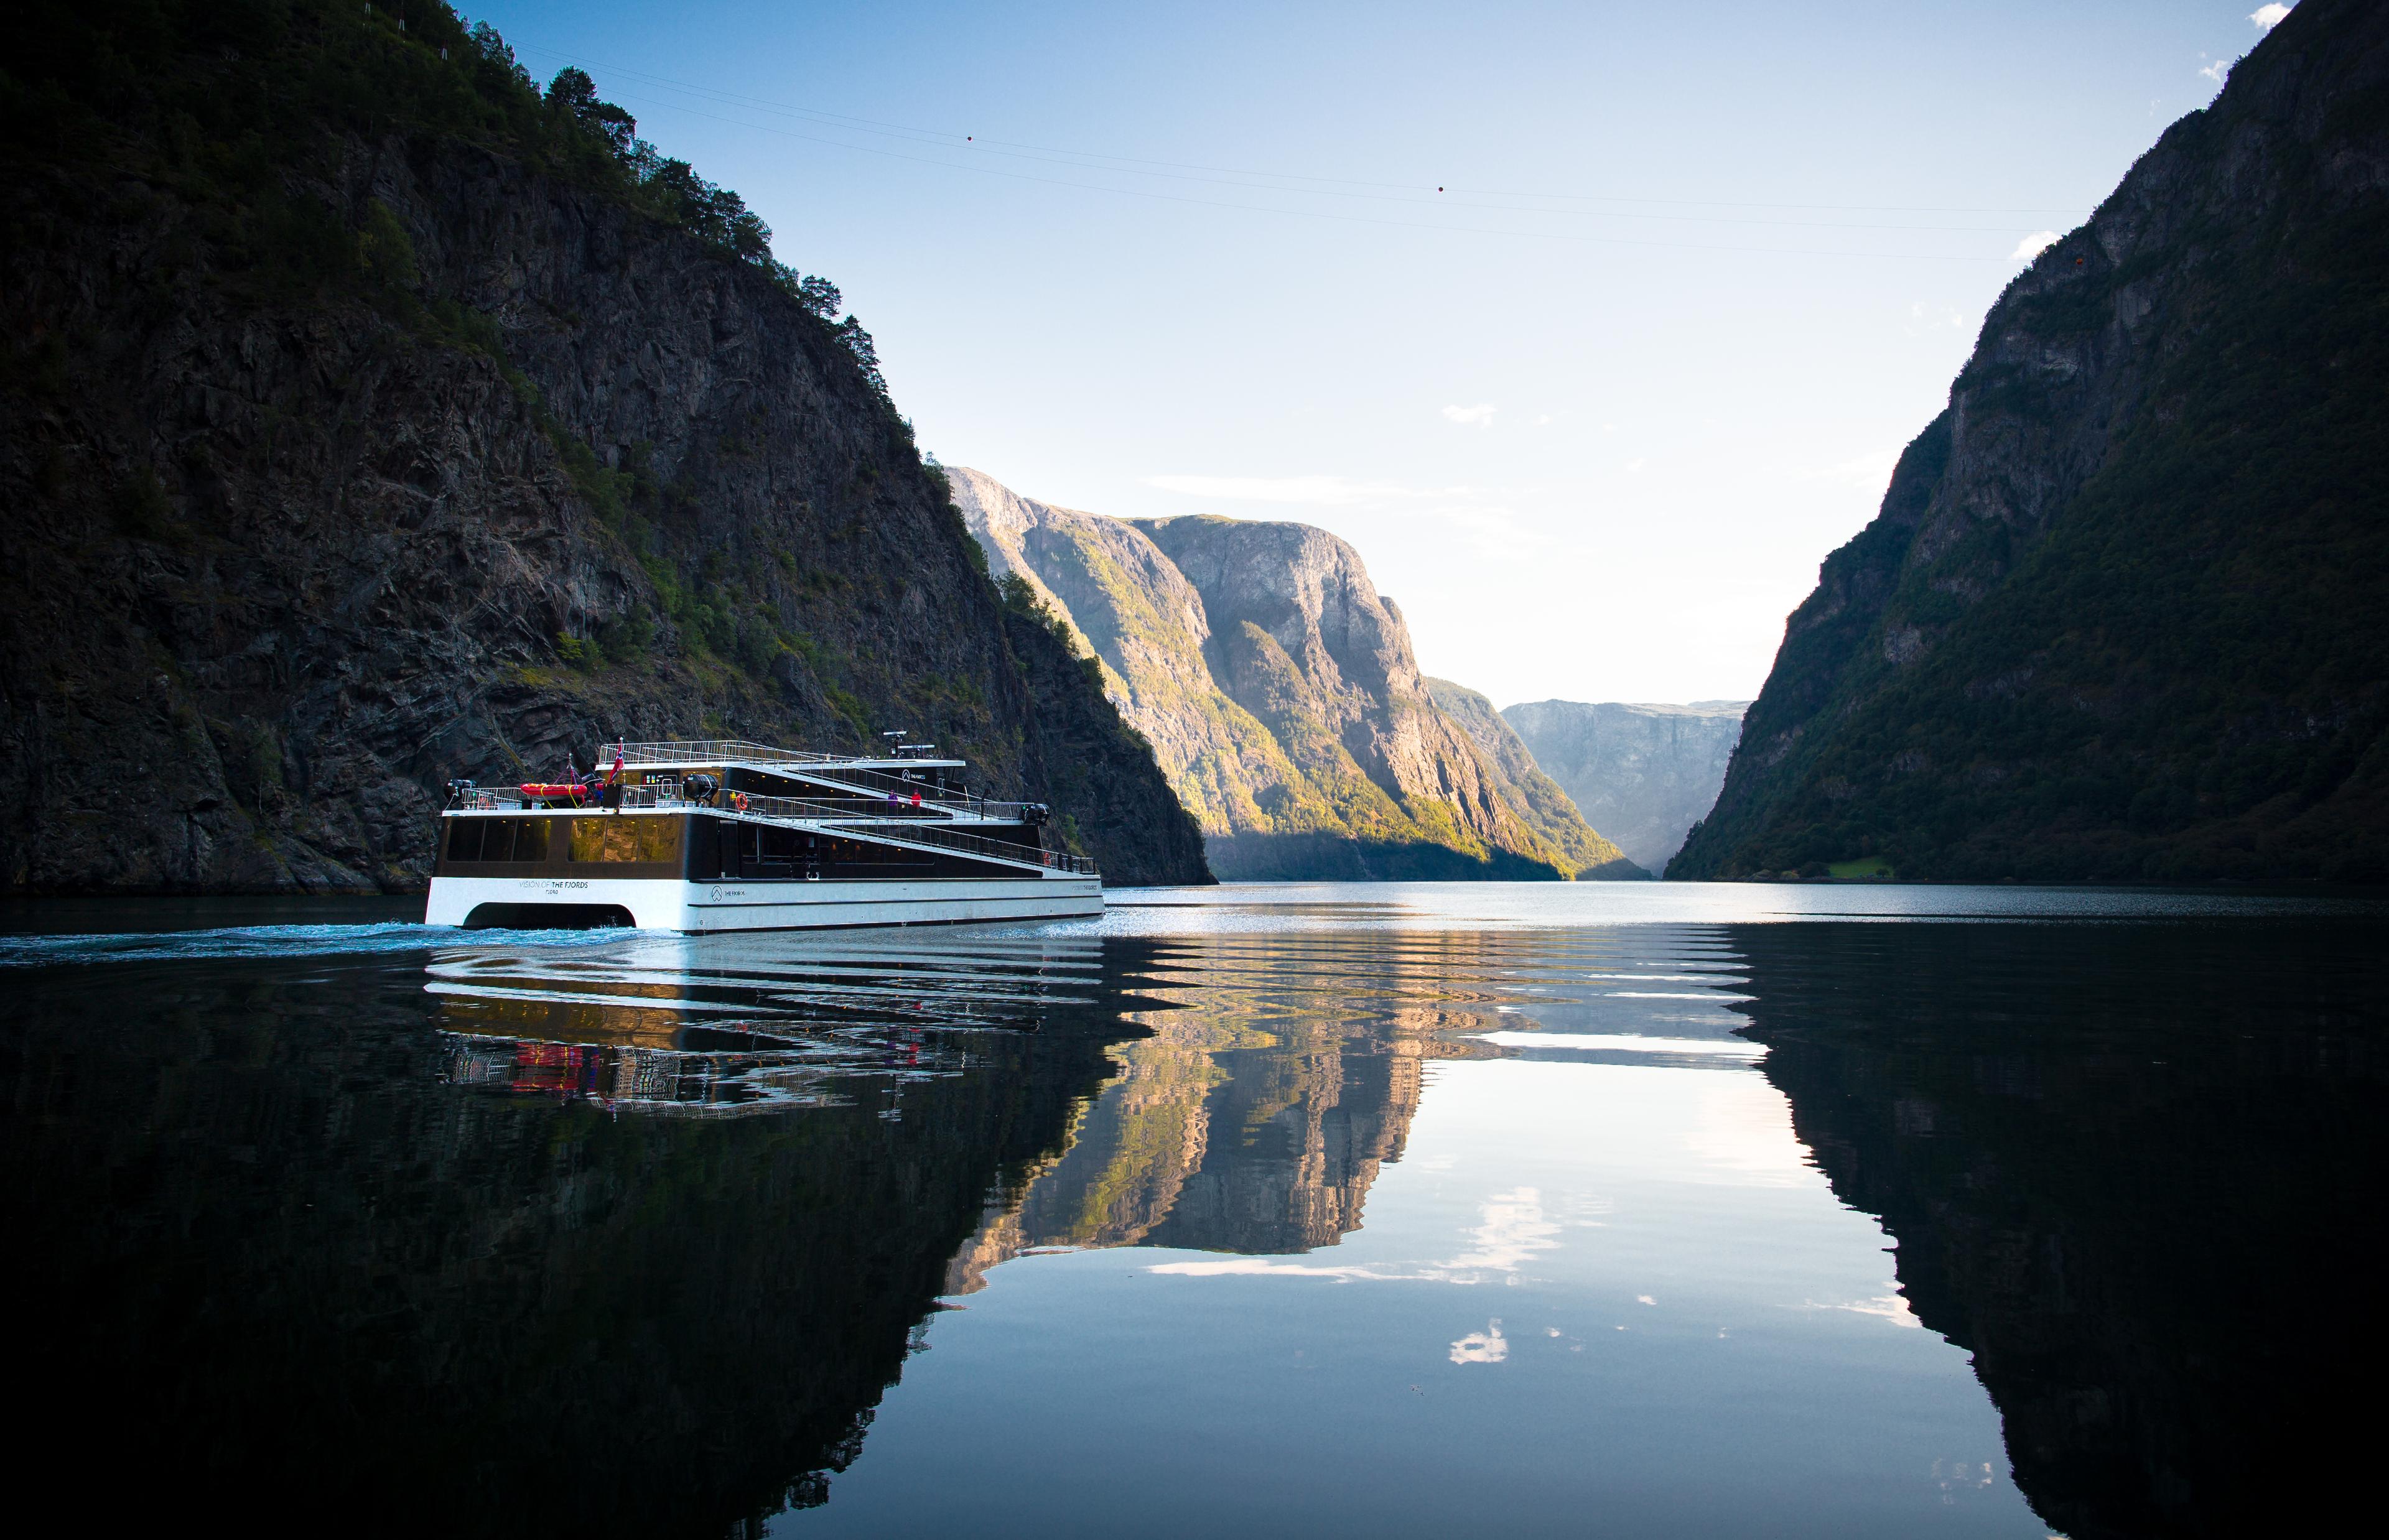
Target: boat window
[775, 850]
[465, 838]
[658, 839]
[531, 838]
[616, 839]
[498, 843]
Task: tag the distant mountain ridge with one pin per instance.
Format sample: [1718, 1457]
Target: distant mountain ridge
[1547, 806]
[1646, 773]
[1280, 693]
[2120, 615]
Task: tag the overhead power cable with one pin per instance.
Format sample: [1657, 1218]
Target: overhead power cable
[928, 139]
[1126, 163]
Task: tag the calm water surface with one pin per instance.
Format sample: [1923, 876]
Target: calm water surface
[1599, 1209]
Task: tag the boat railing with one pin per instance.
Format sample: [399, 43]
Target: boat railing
[947, 837]
[710, 750]
[943, 835]
[798, 808]
[845, 772]
[902, 786]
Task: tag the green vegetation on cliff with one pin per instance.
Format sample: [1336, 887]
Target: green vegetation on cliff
[2120, 618]
[1533, 797]
[372, 417]
[1280, 695]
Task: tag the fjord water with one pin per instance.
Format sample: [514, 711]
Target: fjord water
[1634, 1209]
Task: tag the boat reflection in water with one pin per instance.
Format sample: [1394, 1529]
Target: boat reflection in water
[303, 1243]
[634, 1234]
[734, 1025]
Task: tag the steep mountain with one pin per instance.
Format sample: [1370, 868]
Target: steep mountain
[2120, 615]
[371, 418]
[1537, 799]
[1645, 773]
[1302, 639]
[1133, 610]
[1279, 692]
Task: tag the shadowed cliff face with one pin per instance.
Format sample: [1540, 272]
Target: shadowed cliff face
[1278, 689]
[474, 469]
[2116, 616]
[2146, 1207]
[297, 1253]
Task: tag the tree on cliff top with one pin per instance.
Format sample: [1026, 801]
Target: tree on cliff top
[236, 97]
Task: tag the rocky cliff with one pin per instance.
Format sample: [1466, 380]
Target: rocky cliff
[2119, 616]
[1136, 613]
[371, 419]
[1280, 693]
[1539, 802]
[1645, 773]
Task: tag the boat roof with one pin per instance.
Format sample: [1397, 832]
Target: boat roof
[739, 751]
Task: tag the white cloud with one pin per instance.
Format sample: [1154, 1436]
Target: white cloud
[2033, 245]
[1871, 471]
[1924, 320]
[2268, 16]
[2216, 68]
[1246, 1267]
[1481, 413]
[1513, 1229]
[1892, 1307]
[1488, 1346]
[1636, 465]
[1318, 491]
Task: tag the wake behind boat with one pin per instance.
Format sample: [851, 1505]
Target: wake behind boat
[728, 835]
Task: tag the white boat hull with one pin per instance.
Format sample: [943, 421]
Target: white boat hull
[748, 905]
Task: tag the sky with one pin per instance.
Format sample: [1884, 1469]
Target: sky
[1593, 326]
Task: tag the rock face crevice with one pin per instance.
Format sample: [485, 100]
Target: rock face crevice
[1282, 696]
[2116, 616]
[479, 467]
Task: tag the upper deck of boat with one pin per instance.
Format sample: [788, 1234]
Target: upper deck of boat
[903, 797]
[702, 753]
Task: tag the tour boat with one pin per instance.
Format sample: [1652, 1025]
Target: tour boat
[725, 835]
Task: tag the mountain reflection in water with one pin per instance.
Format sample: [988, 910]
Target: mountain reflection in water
[291, 1255]
[635, 1234]
[2136, 1171]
